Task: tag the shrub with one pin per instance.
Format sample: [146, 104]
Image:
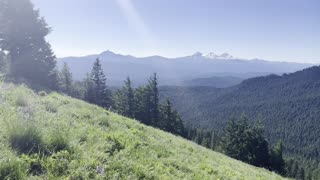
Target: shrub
[58, 163]
[22, 100]
[42, 93]
[35, 164]
[114, 145]
[25, 139]
[103, 120]
[12, 169]
[58, 142]
[51, 106]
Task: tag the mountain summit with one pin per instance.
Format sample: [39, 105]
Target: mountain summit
[212, 55]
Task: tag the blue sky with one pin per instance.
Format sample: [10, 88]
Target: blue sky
[279, 30]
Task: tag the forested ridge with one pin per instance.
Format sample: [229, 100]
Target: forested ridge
[288, 106]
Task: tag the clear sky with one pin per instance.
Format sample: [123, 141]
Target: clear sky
[284, 30]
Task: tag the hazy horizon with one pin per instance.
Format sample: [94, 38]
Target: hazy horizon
[186, 55]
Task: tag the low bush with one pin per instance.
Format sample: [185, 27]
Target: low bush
[25, 138]
[58, 164]
[51, 106]
[12, 169]
[58, 142]
[42, 93]
[35, 164]
[103, 120]
[22, 100]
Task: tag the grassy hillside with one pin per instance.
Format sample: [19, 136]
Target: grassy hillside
[55, 137]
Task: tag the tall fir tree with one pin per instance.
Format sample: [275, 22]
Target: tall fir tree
[166, 123]
[170, 120]
[276, 158]
[97, 91]
[66, 80]
[300, 174]
[147, 102]
[22, 34]
[142, 104]
[4, 63]
[124, 99]
[153, 103]
[246, 143]
[295, 169]
[213, 140]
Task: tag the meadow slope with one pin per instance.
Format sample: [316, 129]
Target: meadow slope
[71, 139]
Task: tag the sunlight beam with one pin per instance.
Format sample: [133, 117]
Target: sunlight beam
[136, 22]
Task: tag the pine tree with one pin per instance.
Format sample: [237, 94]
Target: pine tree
[179, 128]
[170, 120]
[300, 174]
[124, 100]
[309, 176]
[22, 34]
[258, 147]
[142, 104]
[246, 143]
[288, 167]
[4, 63]
[295, 169]
[153, 104]
[233, 138]
[97, 92]
[147, 99]
[66, 79]
[213, 140]
[167, 120]
[276, 158]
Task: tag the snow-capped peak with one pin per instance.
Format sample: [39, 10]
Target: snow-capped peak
[226, 56]
[216, 56]
[197, 54]
[212, 55]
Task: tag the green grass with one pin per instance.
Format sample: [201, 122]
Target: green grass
[82, 141]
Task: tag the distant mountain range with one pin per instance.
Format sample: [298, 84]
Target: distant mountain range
[175, 71]
[288, 106]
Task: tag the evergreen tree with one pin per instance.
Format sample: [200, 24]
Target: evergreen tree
[213, 140]
[170, 120]
[276, 158]
[245, 143]
[167, 121]
[147, 103]
[66, 79]
[295, 169]
[309, 176]
[153, 104]
[97, 92]
[4, 63]
[179, 126]
[124, 100]
[142, 103]
[288, 167]
[300, 174]
[22, 34]
[258, 147]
